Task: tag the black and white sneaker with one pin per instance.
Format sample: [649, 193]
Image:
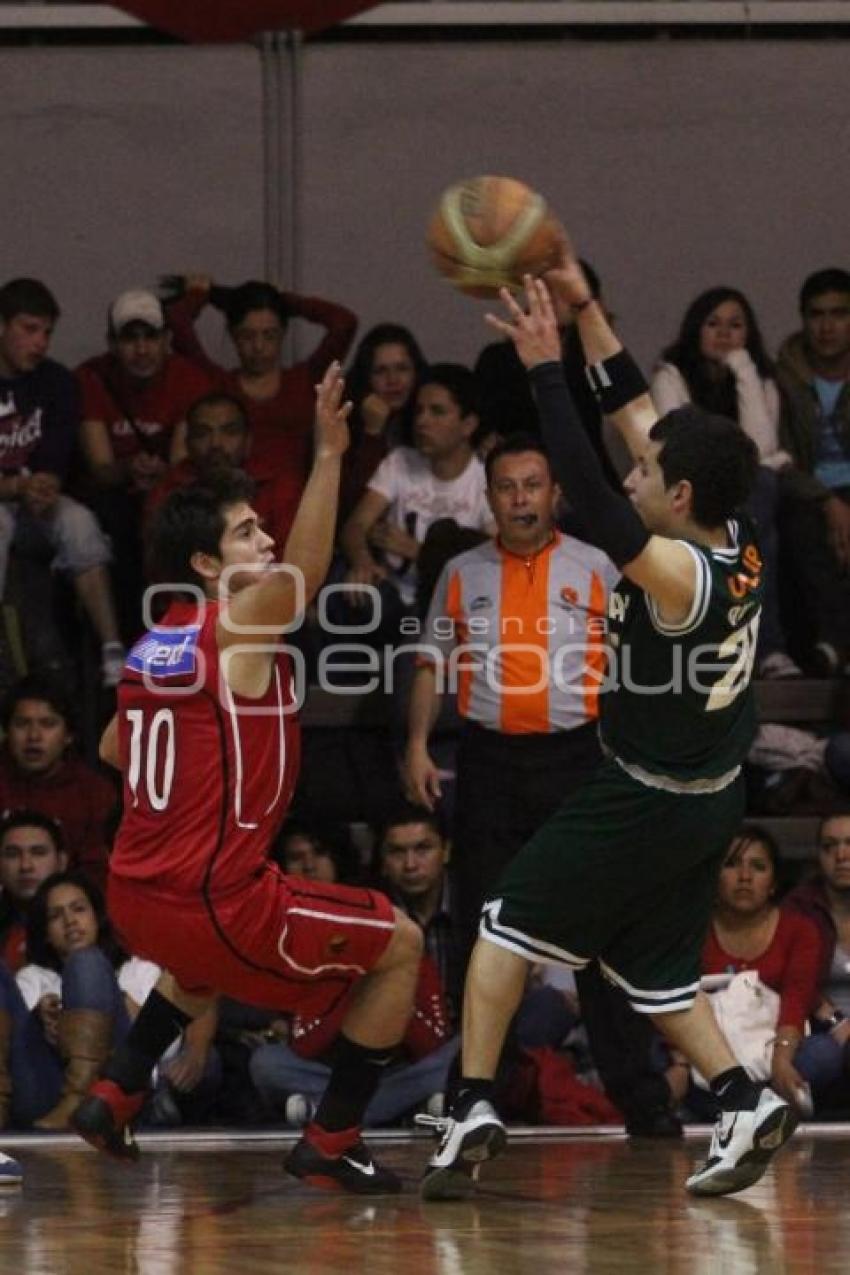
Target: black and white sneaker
[742, 1145]
[354, 1170]
[465, 1143]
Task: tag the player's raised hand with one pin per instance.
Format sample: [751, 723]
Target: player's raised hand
[331, 429]
[567, 282]
[534, 332]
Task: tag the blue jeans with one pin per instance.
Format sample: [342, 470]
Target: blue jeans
[277, 1072]
[36, 1068]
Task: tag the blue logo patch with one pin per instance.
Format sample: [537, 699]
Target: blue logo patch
[166, 652]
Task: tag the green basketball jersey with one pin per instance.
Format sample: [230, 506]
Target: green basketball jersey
[680, 703]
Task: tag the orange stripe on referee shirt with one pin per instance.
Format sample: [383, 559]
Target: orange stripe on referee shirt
[524, 600]
[454, 609]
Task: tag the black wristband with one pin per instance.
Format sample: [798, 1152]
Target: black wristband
[616, 381]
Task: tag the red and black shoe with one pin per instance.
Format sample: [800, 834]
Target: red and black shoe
[339, 1162]
[104, 1118]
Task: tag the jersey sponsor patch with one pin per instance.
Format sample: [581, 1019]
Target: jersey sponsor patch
[166, 652]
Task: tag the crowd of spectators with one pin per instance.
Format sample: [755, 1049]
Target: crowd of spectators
[450, 527]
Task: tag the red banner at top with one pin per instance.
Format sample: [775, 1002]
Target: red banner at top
[212, 21]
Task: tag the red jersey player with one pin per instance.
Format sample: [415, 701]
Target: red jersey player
[207, 741]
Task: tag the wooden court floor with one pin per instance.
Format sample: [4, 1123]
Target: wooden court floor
[593, 1203]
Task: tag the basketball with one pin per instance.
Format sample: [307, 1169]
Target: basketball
[487, 232]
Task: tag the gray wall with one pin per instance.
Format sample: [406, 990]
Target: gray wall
[675, 166]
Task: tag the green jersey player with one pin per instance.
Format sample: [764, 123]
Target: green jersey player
[625, 872]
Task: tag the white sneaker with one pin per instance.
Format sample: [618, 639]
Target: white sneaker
[11, 1173]
[465, 1144]
[742, 1145]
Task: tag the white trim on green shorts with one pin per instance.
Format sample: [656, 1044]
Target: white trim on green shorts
[668, 1001]
[532, 949]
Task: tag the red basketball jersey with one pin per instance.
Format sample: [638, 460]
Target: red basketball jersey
[208, 775]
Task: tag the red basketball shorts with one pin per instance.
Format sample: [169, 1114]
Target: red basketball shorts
[280, 943]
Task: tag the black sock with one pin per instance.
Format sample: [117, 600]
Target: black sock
[469, 1091]
[157, 1025]
[356, 1074]
[734, 1090]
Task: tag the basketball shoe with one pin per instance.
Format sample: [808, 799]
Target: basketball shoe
[467, 1139]
[11, 1173]
[742, 1146]
[351, 1168]
[103, 1119]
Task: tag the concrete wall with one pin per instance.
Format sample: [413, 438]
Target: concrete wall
[676, 165]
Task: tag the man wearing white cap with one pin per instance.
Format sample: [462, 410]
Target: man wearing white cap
[135, 400]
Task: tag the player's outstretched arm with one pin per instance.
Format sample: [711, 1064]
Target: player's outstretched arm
[567, 282]
[275, 600]
[664, 568]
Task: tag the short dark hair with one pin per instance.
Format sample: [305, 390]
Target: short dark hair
[514, 445]
[832, 279]
[714, 454]
[459, 382]
[39, 949]
[192, 520]
[833, 814]
[407, 812]
[21, 818]
[27, 296]
[40, 686]
[213, 399]
[254, 295]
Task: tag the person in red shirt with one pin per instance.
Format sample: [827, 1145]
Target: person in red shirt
[207, 741]
[135, 400]
[217, 440]
[39, 770]
[279, 400]
[32, 848]
[750, 930]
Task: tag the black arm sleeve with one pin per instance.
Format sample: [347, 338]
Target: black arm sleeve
[611, 521]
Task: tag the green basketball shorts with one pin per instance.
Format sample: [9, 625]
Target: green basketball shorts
[623, 873]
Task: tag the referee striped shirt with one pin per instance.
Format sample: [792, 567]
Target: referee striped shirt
[521, 639]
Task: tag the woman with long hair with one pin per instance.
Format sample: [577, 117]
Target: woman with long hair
[62, 1013]
[381, 382]
[718, 361]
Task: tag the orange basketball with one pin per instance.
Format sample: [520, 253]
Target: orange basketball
[487, 232]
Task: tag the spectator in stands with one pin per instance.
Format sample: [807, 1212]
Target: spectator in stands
[71, 1003]
[506, 403]
[292, 1076]
[218, 439]
[719, 362]
[135, 400]
[40, 770]
[39, 422]
[381, 383]
[440, 477]
[279, 400]
[316, 853]
[32, 849]
[751, 930]
[813, 370]
[825, 898]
